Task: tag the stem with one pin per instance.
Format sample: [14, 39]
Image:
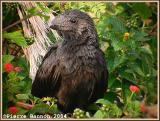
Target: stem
[143, 26]
[131, 96]
[25, 105]
[123, 91]
[15, 23]
[129, 100]
[19, 21]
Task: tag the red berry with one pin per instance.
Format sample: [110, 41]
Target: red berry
[134, 88]
[13, 110]
[9, 67]
[18, 69]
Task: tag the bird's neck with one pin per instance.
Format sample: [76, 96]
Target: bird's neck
[85, 38]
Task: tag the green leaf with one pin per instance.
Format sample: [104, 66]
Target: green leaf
[88, 115]
[146, 50]
[116, 111]
[53, 109]
[117, 45]
[116, 84]
[139, 36]
[7, 58]
[110, 62]
[21, 76]
[99, 114]
[103, 101]
[43, 7]
[111, 96]
[22, 62]
[116, 25]
[134, 109]
[16, 37]
[112, 80]
[21, 111]
[40, 108]
[128, 74]
[118, 60]
[46, 18]
[142, 9]
[47, 99]
[12, 75]
[22, 96]
[22, 85]
[119, 9]
[136, 67]
[125, 90]
[32, 11]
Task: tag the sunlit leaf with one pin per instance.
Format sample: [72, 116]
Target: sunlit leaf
[103, 101]
[22, 96]
[16, 37]
[99, 114]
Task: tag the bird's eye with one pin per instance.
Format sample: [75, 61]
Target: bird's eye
[73, 20]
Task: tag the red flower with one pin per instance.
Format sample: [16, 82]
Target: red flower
[143, 108]
[18, 69]
[13, 110]
[9, 67]
[134, 88]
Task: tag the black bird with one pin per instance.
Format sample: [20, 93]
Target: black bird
[74, 70]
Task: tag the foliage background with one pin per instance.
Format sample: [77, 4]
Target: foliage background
[128, 36]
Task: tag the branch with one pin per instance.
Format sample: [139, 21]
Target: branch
[25, 105]
[15, 23]
[19, 21]
[153, 31]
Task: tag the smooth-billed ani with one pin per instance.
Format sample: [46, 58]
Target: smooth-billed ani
[74, 70]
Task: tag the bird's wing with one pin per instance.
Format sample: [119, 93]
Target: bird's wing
[47, 75]
[101, 76]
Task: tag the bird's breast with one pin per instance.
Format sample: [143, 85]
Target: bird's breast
[81, 58]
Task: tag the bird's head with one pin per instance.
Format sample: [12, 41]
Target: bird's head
[74, 25]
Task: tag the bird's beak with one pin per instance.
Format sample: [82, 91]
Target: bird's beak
[55, 27]
[54, 24]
